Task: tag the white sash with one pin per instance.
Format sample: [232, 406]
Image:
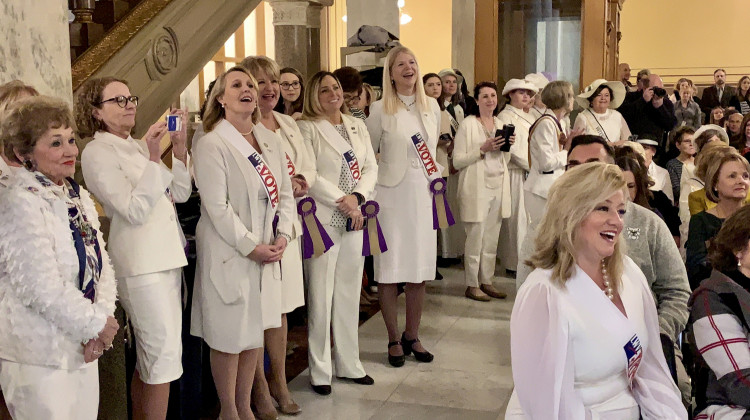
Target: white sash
[430, 167]
[596, 125]
[341, 146]
[587, 295]
[261, 168]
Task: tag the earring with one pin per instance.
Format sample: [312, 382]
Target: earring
[222, 105]
[29, 165]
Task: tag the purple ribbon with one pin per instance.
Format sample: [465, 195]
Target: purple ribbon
[442, 217]
[315, 239]
[373, 241]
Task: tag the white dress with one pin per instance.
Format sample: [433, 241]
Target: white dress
[572, 352]
[514, 228]
[611, 125]
[406, 220]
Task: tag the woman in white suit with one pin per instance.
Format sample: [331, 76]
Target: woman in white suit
[548, 147]
[292, 294]
[346, 176]
[240, 171]
[483, 191]
[404, 121]
[519, 96]
[138, 192]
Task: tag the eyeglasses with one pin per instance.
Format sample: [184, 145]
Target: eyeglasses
[122, 101]
[352, 98]
[288, 86]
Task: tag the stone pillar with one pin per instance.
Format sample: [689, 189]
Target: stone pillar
[35, 46]
[291, 34]
[383, 13]
[462, 52]
[313, 35]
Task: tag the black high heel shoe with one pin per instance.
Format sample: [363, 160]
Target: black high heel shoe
[396, 361]
[421, 356]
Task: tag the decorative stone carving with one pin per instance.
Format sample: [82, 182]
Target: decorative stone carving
[289, 13]
[162, 56]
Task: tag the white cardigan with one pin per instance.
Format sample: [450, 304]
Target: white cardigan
[229, 189]
[44, 317]
[473, 194]
[325, 190]
[391, 140]
[144, 236]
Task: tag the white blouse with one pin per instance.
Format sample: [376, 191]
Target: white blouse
[611, 125]
[569, 351]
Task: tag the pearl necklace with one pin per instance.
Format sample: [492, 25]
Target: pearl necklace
[249, 132]
[607, 285]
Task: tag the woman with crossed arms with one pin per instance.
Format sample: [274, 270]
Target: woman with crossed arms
[346, 175]
[404, 121]
[247, 209]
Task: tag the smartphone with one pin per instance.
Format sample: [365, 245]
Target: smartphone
[174, 123]
[507, 131]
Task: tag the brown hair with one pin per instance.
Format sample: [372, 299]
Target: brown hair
[297, 104]
[731, 239]
[349, 78]
[640, 174]
[28, 119]
[12, 91]
[679, 133]
[705, 136]
[713, 169]
[214, 111]
[740, 96]
[88, 97]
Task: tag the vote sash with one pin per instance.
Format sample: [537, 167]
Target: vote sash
[267, 180]
[442, 217]
[342, 147]
[290, 166]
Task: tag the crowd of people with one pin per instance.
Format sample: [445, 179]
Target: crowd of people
[608, 223]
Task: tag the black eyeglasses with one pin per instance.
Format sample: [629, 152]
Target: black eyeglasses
[287, 86]
[122, 101]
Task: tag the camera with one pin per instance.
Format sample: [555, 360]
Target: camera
[660, 92]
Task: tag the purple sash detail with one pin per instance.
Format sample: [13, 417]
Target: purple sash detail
[315, 239]
[442, 217]
[373, 241]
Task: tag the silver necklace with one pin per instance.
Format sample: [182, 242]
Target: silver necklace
[607, 284]
[408, 106]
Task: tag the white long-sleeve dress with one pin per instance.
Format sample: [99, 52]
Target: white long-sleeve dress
[575, 356]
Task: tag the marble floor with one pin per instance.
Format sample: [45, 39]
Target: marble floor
[470, 377]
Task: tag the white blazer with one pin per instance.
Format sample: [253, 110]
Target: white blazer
[547, 160]
[519, 151]
[229, 189]
[145, 234]
[473, 194]
[391, 139]
[44, 317]
[296, 147]
[326, 190]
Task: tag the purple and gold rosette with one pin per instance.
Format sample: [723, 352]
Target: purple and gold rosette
[315, 239]
[373, 239]
[441, 211]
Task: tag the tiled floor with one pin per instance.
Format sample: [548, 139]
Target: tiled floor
[470, 377]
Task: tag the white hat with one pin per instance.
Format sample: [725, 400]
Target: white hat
[648, 142]
[722, 132]
[514, 84]
[450, 72]
[618, 93]
[537, 79]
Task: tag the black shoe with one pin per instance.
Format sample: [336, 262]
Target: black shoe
[365, 380]
[438, 276]
[396, 361]
[321, 389]
[424, 357]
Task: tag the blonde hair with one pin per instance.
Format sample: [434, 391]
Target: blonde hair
[713, 168]
[12, 91]
[557, 94]
[312, 109]
[214, 111]
[391, 102]
[710, 152]
[256, 63]
[572, 198]
[636, 147]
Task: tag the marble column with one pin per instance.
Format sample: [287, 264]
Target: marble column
[314, 11]
[291, 34]
[383, 13]
[462, 52]
[35, 46]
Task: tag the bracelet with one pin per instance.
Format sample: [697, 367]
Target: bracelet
[360, 198]
[284, 235]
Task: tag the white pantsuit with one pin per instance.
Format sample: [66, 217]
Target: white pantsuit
[484, 196]
[403, 192]
[547, 164]
[514, 227]
[145, 237]
[335, 278]
[237, 216]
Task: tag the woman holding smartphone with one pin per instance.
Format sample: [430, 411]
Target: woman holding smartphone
[481, 154]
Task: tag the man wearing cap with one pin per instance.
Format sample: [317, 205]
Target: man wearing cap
[659, 175]
[519, 97]
[648, 112]
[599, 116]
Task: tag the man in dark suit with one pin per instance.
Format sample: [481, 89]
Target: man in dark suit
[649, 115]
[720, 94]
